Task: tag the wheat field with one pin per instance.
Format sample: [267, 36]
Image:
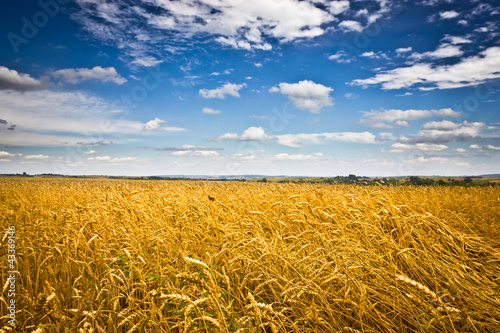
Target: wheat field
[194, 256]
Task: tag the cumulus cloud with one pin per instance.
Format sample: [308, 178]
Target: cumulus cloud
[456, 40]
[203, 153]
[147, 61]
[188, 148]
[404, 49]
[11, 79]
[350, 25]
[221, 92]
[210, 111]
[340, 57]
[306, 95]
[443, 51]
[250, 134]
[156, 125]
[443, 132]
[399, 118]
[98, 73]
[59, 118]
[116, 160]
[297, 140]
[469, 71]
[91, 152]
[402, 147]
[485, 147]
[446, 15]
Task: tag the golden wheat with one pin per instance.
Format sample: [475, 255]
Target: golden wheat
[190, 256]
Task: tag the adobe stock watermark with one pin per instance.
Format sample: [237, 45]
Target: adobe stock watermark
[10, 284]
[31, 25]
[151, 79]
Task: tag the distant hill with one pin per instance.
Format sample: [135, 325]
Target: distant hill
[493, 175]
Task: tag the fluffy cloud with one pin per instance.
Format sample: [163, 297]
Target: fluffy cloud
[210, 111]
[399, 118]
[349, 25]
[156, 125]
[306, 95]
[297, 140]
[11, 79]
[221, 92]
[247, 25]
[147, 61]
[443, 51]
[187, 148]
[402, 147]
[468, 72]
[250, 134]
[203, 153]
[485, 147]
[98, 73]
[448, 14]
[340, 57]
[116, 160]
[43, 116]
[444, 132]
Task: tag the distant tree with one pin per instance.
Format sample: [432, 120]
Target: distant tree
[468, 180]
[352, 177]
[264, 180]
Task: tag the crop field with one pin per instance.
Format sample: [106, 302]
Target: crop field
[197, 256]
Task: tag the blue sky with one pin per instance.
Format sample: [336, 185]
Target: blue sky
[224, 87]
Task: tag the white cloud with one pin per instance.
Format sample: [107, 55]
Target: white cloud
[147, 61]
[455, 40]
[203, 153]
[470, 71]
[295, 157]
[460, 150]
[155, 125]
[36, 157]
[338, 7]
[211, 111]
[116, 160]
[91, 152]
[148, 27]
[443, 51]
[491, 147]
[485, 147]
[369, 54]
[404, 49]
[258, 64]
[444, 125]
[255, 134]
[351, 95]
[398, 118]
[448, 14]
[221, 92]
[297, 140]
[402, 147]
[41, 118]
[340, 57]
[11, 79]
[349, 25]
[443, 132]
[306, 95]
[98, 73]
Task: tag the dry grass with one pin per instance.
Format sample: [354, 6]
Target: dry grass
[159, 256]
